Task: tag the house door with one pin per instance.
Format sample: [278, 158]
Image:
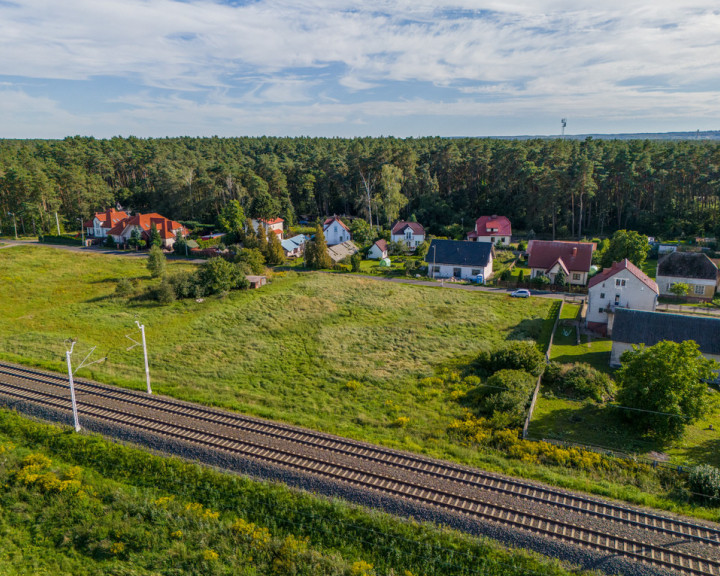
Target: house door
[457, 272]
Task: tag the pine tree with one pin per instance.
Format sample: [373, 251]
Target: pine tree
[319, 257]
[156, 262]
[262, 241]
[155, 239]
[276, 254]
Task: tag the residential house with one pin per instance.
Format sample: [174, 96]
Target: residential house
[273, 225]
[295, 246]
[494, 229]
[411, 234]
[547, 258]
[341, 251]
[634, 327]
[379, 250]
[335, 231]
[102, 222]
[692, 268]
[168, 229]
[462, 260]
[623, 285]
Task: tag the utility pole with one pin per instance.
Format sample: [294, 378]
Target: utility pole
[57, 222]
[82, 230]
[68, 355]
[144, 345]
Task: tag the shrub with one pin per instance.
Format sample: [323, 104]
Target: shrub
[540, 281]
[185, 285]
[251, 261]
[704, 482]
[124, 288]
[355, 261]
[110, 242]
[505, 275]
[165, 293]
[514, 356]
[522, 246]
[579, 381]
[505, 396]
[219, 275]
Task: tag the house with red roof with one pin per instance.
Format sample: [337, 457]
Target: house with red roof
[378, 250]
[102, 222]
[336, 232]
[623, 285]
[547, 258]
[274, 225]
[495, 229]
[411, 234]
[167, 228]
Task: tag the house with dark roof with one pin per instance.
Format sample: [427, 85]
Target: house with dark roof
[102, 222]
[692, 268]
[622, 285]
[378, 250]
[634, 327]
[547, 258]
[494, 229]
[460, 260]
[411, 234]
[336, 232]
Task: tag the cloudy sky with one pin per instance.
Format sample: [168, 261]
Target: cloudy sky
[341, 68]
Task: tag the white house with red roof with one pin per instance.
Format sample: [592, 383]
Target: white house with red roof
[495, 229]
[335, 231]
[411, 234]
[623, 285]
[547, 258]
[378, 250]
[102, 222]
[272, 225]
[168, 229]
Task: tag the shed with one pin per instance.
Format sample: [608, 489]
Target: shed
[256, 281]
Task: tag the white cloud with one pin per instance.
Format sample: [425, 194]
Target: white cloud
[511, 57]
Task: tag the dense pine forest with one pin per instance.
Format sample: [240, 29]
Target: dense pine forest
[564, 188]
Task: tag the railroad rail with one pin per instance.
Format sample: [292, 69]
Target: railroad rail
[682, 545]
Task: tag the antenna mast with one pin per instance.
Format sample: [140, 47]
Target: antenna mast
[563, 123]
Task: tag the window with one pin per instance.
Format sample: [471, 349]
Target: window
[699, 290]
[436, 269]
[619, 282]
[492, 239]
[457, 272]
[576, 276]
[475, 272]
[601, 310]
[602, 295]
[617, 299]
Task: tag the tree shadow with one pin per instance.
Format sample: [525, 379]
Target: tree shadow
[593, 425]
[528, 329]
[707, 452]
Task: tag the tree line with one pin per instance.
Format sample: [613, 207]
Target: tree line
[556, 188]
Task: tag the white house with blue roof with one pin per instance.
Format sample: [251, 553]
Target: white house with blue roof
[294, 246]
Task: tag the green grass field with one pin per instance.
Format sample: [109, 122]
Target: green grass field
[286, 351]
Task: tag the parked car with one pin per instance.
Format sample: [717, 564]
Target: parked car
[522, 293]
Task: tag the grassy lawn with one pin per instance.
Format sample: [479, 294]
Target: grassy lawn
[286, 351]
[585, 422]
[650, 267]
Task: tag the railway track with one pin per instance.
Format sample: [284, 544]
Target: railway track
[581, 520]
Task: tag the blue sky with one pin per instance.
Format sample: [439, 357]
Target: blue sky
[340, 68]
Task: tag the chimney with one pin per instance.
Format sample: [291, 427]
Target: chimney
[574, 251]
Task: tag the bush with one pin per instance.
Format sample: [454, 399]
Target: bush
[219, 275]
[540, 281]
[704, 482]
[251, 261]
[505, 396]
[514, 356]
[505, 275]
[186, 285]
[156, 262]
[579, 381]
[124, 288]
[110, 242]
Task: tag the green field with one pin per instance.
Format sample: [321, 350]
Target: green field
[77, 504]
[287, 351]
